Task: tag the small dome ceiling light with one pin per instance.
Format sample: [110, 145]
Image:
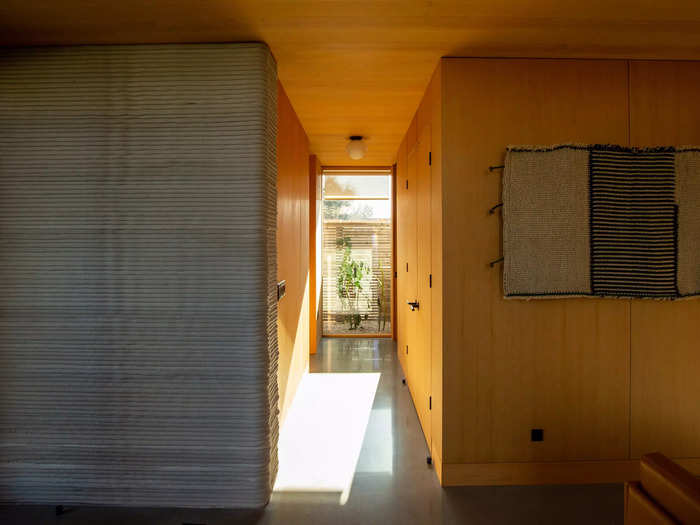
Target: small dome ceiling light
[357, 147]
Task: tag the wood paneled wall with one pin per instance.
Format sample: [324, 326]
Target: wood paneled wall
[510, 365]
[665, 352]
[419, 262]
[292, 249]
[315, 252]
[607, 380]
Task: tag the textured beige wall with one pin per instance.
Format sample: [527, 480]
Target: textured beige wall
[137, 312]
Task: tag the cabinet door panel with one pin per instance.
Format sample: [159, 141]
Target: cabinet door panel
[402, 234]
[423, 262]
[665, 397]
[410, 269]
[406, 261]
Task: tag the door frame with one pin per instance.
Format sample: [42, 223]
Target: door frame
[365, 170]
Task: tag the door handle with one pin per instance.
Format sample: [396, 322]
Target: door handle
[413, 305]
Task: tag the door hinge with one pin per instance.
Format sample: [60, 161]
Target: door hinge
[406, 183]
[396, 275]
[406, 349]
[430, 281]
[430, 158]
[430, 403]
[406, 266]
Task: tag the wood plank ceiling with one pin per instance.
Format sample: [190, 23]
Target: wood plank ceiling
[360, 67]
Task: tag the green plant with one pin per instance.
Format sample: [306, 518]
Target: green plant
[349, 284]
[381, 302]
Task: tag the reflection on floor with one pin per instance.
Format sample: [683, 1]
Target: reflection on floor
[403, 490]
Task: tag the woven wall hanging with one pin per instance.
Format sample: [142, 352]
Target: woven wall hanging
[601, 220]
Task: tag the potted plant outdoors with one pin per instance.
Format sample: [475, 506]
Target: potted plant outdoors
[349, 284]
[382, 302]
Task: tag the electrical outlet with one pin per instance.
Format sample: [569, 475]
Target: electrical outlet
[536, 434]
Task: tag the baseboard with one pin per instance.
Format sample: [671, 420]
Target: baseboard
[549, 473]
[437, 464]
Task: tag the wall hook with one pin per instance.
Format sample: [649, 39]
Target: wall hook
[493, 209]
[494, 263]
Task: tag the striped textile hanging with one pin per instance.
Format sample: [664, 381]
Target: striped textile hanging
[633, 223]
[601, 220]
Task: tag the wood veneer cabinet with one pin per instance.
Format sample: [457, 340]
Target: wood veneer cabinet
[606, 379]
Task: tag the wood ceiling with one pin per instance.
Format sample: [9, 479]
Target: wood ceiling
[360, 67]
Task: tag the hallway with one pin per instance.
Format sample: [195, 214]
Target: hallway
[272, 263]
[408, 493]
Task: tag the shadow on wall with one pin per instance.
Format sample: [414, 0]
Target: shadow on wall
[294, 360]
[292, 249]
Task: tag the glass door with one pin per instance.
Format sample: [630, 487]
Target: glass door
[357, 252]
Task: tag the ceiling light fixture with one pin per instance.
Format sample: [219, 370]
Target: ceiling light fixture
[357, 147]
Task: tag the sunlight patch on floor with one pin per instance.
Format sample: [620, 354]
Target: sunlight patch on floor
[322, 436]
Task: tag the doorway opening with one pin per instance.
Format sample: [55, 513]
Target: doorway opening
[357, 252]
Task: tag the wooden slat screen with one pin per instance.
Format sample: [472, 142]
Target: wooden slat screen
[371, 242]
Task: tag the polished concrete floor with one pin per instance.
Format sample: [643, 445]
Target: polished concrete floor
[404, 491]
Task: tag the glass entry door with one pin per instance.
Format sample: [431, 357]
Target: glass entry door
[357, 252]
